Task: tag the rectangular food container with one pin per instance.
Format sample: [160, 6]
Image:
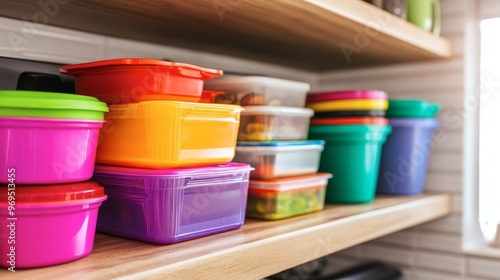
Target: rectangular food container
[257, 90]
[169, 206]
[49, 138]
[283, 198]
[128, 80]
[269, 123]
[166, 134]
[55, 223]
[280, 159]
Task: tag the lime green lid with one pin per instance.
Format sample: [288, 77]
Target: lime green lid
[38, 104]
[411, 108]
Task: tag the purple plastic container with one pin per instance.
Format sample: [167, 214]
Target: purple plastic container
[172, 205]
[405, 155]
[48, 151]
[347, 94]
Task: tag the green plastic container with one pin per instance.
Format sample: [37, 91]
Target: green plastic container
[37, 104]
[352, 154]
[411, 108]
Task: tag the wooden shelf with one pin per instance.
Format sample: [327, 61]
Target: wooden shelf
[258, 249]
[305, 34]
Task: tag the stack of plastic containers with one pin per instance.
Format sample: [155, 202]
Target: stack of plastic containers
[350, 123]
[272, 138]
[164, 158]
[406, 153]
[47, 154]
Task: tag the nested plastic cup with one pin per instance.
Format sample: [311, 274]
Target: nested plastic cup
[405, 156]
[352, 155]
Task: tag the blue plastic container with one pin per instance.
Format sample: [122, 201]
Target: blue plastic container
[405, 154]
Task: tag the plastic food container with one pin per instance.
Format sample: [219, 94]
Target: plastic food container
[349, 104]
[283, 198]
[137, 79]
[257, 90]
[280, 159]
[349, 114]
[346, 94]
[166, 134]
[343, 121]
[267, 123]
[54, 224]
[169, 206]
[352, 154]
[49, 138]
[405, 155]
[208, 96]
[409, 108]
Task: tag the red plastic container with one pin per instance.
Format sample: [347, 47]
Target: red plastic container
[349, 121]
[128, 80]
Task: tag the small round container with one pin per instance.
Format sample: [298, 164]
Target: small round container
[314, 97]
[344, 121]
[352, 154]
[405, 155]
[129, 80]
[350, 114]
[349, 104]
[49, 138]
[50, 225]
[411, 108]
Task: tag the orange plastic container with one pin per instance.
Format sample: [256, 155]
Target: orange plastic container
[128, 80]
[165, 134]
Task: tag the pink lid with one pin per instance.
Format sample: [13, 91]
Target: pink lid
[232, 166]
[313, 97]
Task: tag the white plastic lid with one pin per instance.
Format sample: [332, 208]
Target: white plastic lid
[273, 147]
[291, 182]
[232, 80]
[277, 110]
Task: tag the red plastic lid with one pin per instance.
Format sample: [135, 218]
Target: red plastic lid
[53, 193]
[184, 69]
[335, 121]
[345, 94]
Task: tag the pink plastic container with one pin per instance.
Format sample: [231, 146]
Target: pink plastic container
[48, 151]
[49, 224]
[314, 97]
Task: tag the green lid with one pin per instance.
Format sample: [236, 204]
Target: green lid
[37, 104]
[411, 108]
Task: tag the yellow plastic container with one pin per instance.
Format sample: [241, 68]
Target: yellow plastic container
[349, 104]
[165, 134]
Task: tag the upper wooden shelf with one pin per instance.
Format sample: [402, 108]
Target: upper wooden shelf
[307, 34]
[257, 250]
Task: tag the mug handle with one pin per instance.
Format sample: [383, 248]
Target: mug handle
[436, 17]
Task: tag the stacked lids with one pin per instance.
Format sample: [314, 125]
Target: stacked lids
[348, 107]
[412, 108]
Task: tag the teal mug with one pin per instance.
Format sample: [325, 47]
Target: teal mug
[425, 14]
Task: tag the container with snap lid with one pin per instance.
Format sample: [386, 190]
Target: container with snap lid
[49, 137]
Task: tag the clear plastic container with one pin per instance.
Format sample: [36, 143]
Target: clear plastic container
[257, 90]
[280, 159]
[166, 134]
[55, 223]
[283, 198]
[173, 205]
[268, 123]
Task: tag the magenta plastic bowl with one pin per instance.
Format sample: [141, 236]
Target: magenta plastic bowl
[48, 151]
[50, 224]
[345, 94]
